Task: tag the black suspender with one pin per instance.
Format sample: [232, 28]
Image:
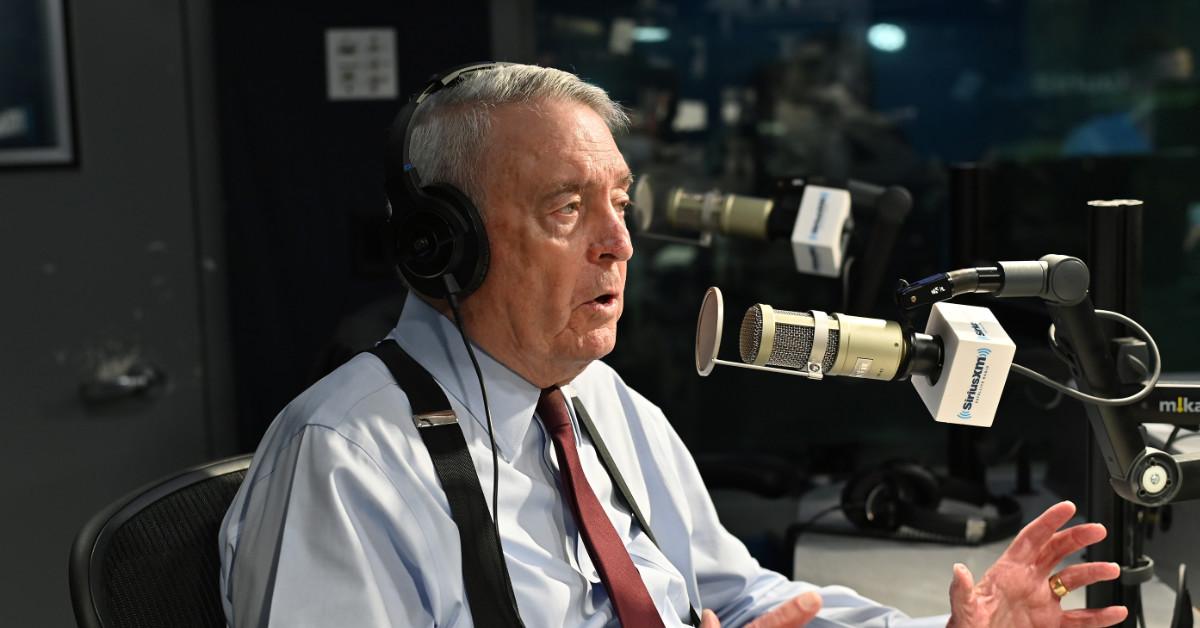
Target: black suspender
[485, 574]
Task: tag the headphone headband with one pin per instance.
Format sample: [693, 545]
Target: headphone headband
[401, 165]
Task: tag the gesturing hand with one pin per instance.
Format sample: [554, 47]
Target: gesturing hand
[793, 613]
[1015, 592]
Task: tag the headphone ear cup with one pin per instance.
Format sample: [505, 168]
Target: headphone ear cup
[475, 253]
[920, 485]
[442, 235]
[869, 500]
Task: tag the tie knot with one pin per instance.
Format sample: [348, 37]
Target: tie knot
[552, 408]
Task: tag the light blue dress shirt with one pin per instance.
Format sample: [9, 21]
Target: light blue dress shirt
[342, 522]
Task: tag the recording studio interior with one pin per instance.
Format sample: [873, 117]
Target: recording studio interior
[627, 313]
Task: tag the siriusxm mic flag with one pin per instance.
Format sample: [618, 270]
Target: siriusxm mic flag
[820, 234]
[978, 354]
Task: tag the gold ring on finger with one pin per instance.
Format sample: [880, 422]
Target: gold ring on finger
[1057, 587]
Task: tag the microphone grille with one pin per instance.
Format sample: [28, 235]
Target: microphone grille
[750, 336]
[793, 343]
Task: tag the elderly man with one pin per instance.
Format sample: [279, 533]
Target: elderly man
[342, 520]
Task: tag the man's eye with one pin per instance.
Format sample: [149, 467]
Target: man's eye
[570, 208]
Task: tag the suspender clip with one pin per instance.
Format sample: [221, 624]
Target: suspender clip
[434, 419]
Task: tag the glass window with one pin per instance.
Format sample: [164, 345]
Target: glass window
[1059, 101]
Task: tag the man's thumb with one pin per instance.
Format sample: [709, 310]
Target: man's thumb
[709, 620]
[962, 584]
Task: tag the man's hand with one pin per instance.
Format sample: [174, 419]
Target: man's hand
[793, 613]
[1016, 593]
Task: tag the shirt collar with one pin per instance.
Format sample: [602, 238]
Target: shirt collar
[434, 342]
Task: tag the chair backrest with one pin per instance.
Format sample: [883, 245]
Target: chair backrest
[151, 558]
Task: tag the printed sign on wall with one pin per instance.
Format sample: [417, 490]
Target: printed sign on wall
[361, 63]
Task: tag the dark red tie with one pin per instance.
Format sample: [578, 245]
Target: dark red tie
[625, 587]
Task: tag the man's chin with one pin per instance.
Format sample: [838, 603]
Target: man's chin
[596, 345]
[568, 359]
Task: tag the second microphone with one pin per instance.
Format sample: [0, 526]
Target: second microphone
[836, 344]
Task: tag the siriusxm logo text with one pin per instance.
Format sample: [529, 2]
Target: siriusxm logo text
[1180, 405]
[978, 329]
[816, 226]
[976, 380]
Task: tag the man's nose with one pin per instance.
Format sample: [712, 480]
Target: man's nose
[612, 241]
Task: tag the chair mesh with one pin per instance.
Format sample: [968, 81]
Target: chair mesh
[162, 567]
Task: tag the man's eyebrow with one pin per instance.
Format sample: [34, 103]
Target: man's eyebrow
[568, 187]
[562, 187]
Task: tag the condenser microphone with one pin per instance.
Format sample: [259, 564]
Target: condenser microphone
[958, 366]
[835, 344]
[816, 219]
[729, 214]
[814, 344]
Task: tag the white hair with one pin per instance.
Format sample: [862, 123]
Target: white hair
[450, 127]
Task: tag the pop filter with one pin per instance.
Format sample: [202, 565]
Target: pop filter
[643, 206]
[708, 330]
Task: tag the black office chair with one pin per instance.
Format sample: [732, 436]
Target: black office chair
[151, 558]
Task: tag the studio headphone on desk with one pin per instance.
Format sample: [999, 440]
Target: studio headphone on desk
[906, 494]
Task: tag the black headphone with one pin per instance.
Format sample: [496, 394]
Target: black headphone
[440, 245]
[902, 493]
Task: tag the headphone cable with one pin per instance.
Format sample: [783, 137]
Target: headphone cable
[452, 290]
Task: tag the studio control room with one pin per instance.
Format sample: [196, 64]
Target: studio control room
[559, 313]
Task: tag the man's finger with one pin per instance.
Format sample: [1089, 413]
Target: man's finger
[1094, 618]
[1076, 577]
[1067, 542]
[1033, 536]
[795, 612]
[962, 585]
[708, 619]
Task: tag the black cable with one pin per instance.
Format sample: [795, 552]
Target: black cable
[452, 290]
[1171, 439]
[793, 532]
[1147, 386]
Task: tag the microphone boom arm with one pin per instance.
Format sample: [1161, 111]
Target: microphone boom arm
[892, 205]
[1055, 279]
[1138, 473]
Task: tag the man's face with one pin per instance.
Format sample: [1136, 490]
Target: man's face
[556, 189]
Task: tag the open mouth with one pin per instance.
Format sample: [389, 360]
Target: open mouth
[605, 299]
